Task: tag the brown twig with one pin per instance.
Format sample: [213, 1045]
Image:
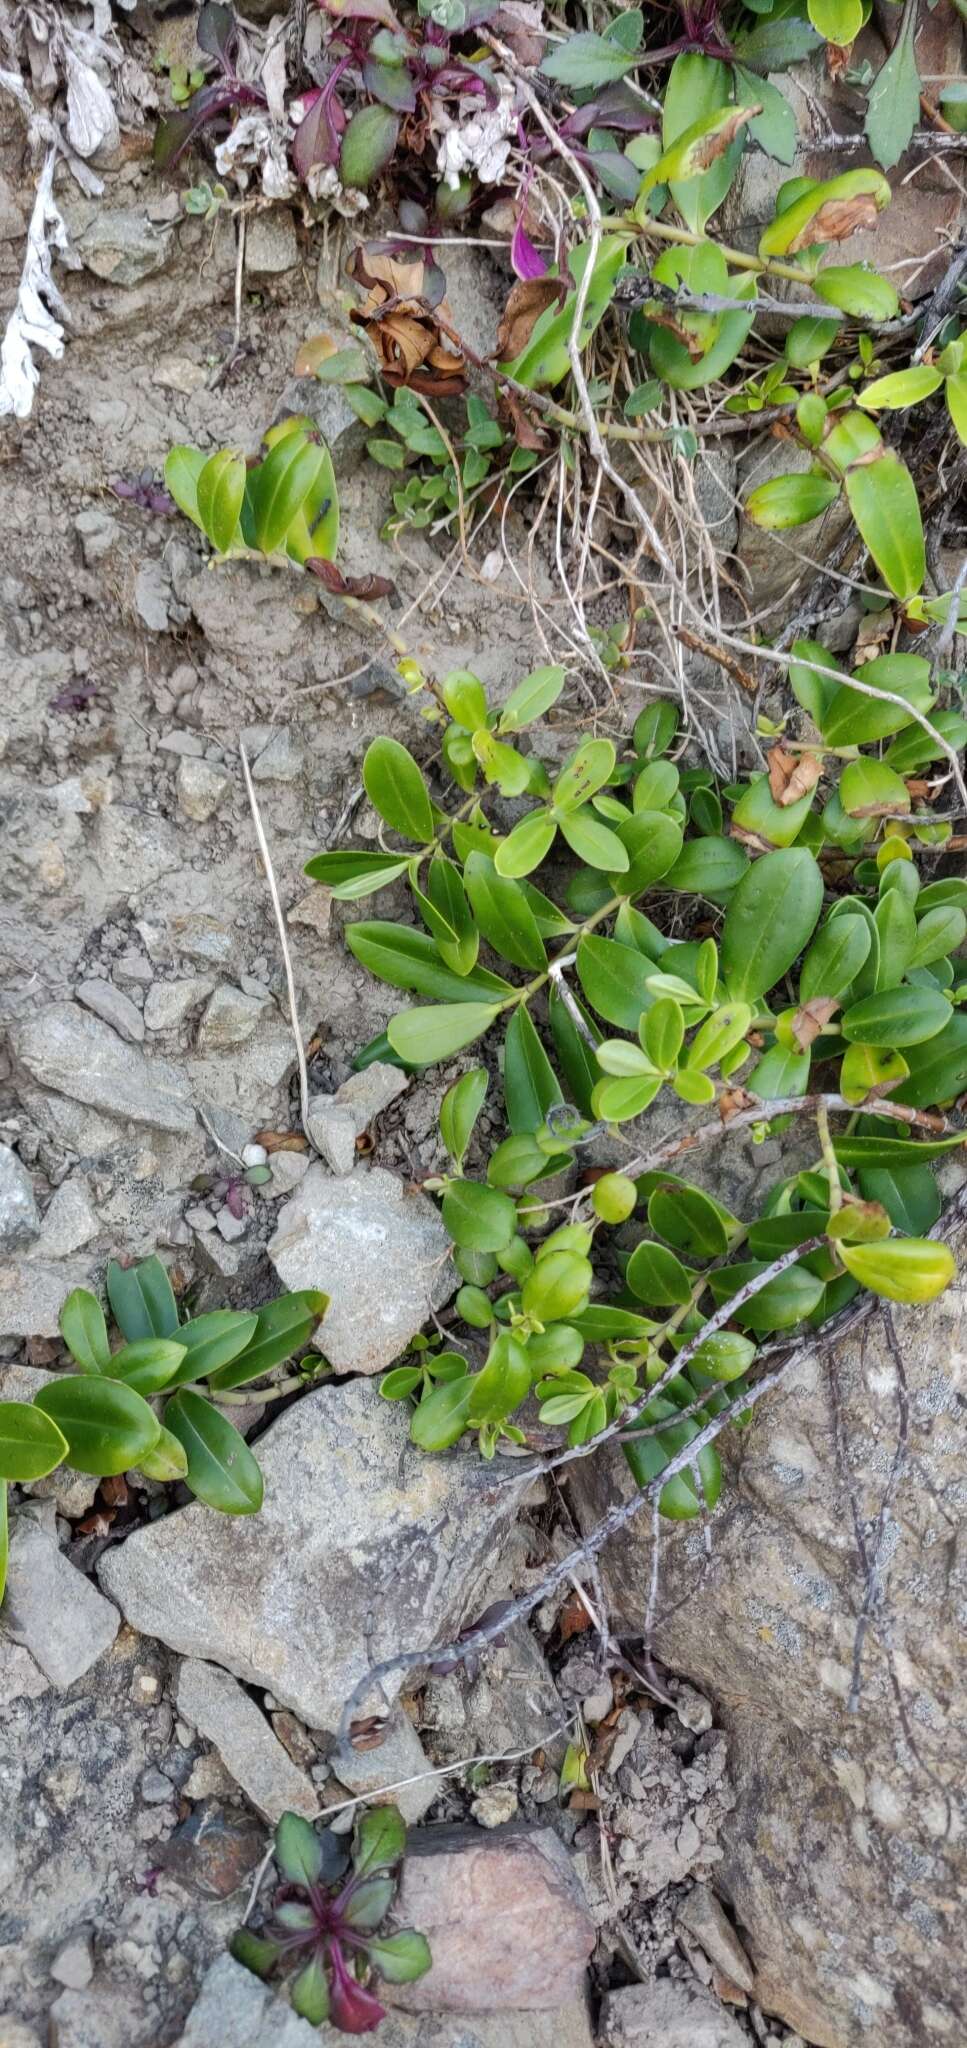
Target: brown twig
[729, 662]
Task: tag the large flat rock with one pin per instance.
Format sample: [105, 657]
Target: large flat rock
[363, 1544]
[378, 1249]
[67, 1049]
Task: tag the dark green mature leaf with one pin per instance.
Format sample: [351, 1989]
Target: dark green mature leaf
[441, 1418]
[653, 843]
[690, 1221]
[587, 60]
[530, 1083]
[282, 1327]
[460, 1109]
[211, 1341]
[708, 867]
[410, 959]
[938, 1068]
[614, 979]
[396, 789]
[866, 1151]
[503, 913]
[576, 1056]
[657, 1276]
[909, 1194]
[774, 45]
[31, 1443]
[896, 1016]
[107, 1426]
[221, 1469]
[682, 1498]
[893, 104]
[778, 1305]
[447, 914]
[477, 1217]
[835, 957]
[852, 719]
[141, 1299]
[147, 1365]
[84, 1330]
[771, 917]
[593, 841]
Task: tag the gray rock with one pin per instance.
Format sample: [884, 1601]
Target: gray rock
[839, 1861]
[32, 1294]
[370, 1092]
[19, 1218]
[70, 1220]
[379, 1251]
[151, 595]
[355, 1524]
[203, 938]
[15, 2033]
[283, 760]
[230, 1227]
[168, 1003]
[20, 1678]
[270, 245]
[179, 373]
[201, 788]
[52, 1609]
[156, 1788]
[116, 243]
[667, 2014]
[66, 1049]
[327, 405]
[704, 1918]
[400, 1755]
[505, 1916]
[287, 1170]
[235, 2009]
[230, 1018]
[73, 1965]
[113, 1007]
[189, 744]
[333, 1132]
[224, 1714]
[97, 533]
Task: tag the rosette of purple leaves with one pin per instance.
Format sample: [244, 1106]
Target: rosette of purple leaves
[325, 1919]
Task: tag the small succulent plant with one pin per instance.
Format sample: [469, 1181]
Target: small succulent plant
[325, 1919]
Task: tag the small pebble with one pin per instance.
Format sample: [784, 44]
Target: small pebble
[156, 1788]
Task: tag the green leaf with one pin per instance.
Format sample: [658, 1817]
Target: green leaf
[808, 339]
[771, 917]
[425, 1035]
[141, 1299]
[351, 875]
[297, 1850]
[107, 1426]
[465, 698]
[656, 1276]
[900, 389]
[281, 486]
[852, 719]
[834, 959]
[708, 867]
[282, 1327]
[653, 843]
[84, 1330]
[587, 60]
[147, 1365]
[441, 1418]
[690, 1221]
[719, 1035]
[858, 291]
[389, 454]
[367, 146]
[774, 44]
[883, 500]
[503, 913]
[396, 790]
[460, 1109]
[893, 102]
[868, 788]
[31, 1444]
[896, 931]
[478, 1217]
[901, 1269]
[447, 915]
[530, 1084]
[589, 768]
[380, 1840]
[504, 1381]
[411, 960]
[681, 1499]
[309, 1993]
[938, 933]
[213, 1340]
[838, 21]
[909, 1194]
[4, 1538]
[524, 848]
[593, 842]
[400, 1958]
[221, 488]
[368, 1904]
[790, 501]
[183, 467]
[757, 812]
[578, 1064]
[697, 97]
[221, 1469]
[803, 222]
[531, 699]
[167, 1461]
[896, 1017]
[778, 1305]
[614, 979]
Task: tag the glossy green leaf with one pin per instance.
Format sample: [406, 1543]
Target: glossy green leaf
[937, 1068]
[478, 1217]
[351, 875]
[778, 1305]
[657, 1276]
[107, 1426]
[614, 980]
[588, 769]
[575, 1054]
[771, 917]
[465, 698]
[31, 1443]
[502, 1384]
[221, 488]
[909, 1194]
[663, 1032]
[618, 1100]
[525, 847]
[281, 486]
[423, 1036]
[460, 1109]
[690, 1221]
[221, 1469]
[869, 1070]
[84, 1330]
[834, 959]
[441, 1418]
[858, 291]
[900, 388]
[883, 500]
[148, 1364]
[503, 914]
[531, 699]
[557, 1286]
[282, 1327]
[396, 789]
[652, 843]
[893, 101]
[141, 1299]
[183, 467]
[897, 1016]
[213, 1340]
[697, 96]
[447, 915]
[853, 719]
[938, 933]
[790, 501]
[901, 1269]
[708, 867]
[593, 841]
[682, 1498]
[410, 959]
[531, 1086]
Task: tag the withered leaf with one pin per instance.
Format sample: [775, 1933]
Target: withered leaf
[313, 352]
[791, 776]
[282, 1141]
[706, 152]
[809, 1022]
[835, 221]
[349, 586]
[573, 1618]
[527, 432]
[408, 322]
[731, 1101]
[526, 301]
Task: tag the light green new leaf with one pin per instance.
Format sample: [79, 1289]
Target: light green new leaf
[221, 488]
[459, 1111]
[855, 290]
[183, 467]
[425, 1035]
[396, 789]
[108, 1426]
[900, 389]
[790, 501]
[531, 699]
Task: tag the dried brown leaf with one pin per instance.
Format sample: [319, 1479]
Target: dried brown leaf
[835, 221]
[573, 1618]
[791, 776]
[526, 301]
[349, 586]
[282, 1141]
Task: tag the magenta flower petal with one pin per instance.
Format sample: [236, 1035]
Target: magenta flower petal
[352, 2008]
[527, 261]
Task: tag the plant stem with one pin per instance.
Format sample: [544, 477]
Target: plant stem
[830, 1161]
[276, 1393]
[740, 259]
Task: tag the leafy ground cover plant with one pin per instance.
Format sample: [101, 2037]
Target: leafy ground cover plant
[326, 1929]
[103, 1418]
[821, 975]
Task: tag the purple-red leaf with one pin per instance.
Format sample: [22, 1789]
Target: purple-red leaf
[349, 586]
[177, 131]
[614, 107]
[352, 2008]
[216, 33]
[320, 131]
[526, 261]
